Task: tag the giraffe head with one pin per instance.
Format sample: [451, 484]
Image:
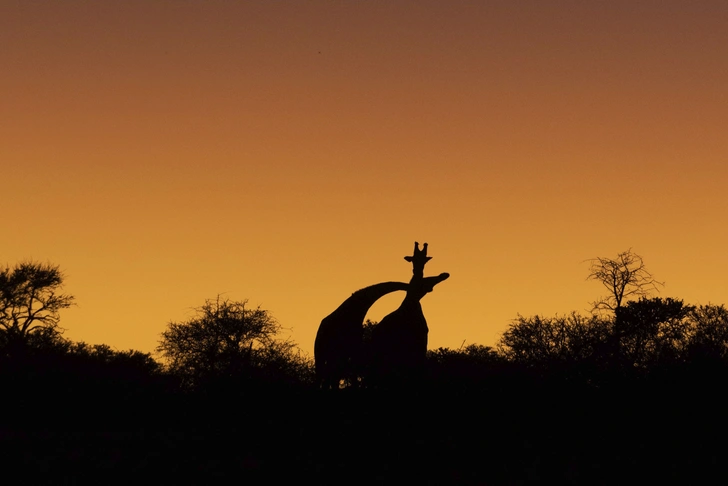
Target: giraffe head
[418, 259]
[419, 287]
[427, 284]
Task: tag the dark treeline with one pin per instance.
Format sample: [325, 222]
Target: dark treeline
[632, 393]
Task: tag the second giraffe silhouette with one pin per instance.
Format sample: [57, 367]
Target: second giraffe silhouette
[399, 341]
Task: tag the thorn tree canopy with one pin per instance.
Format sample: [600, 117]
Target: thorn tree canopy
[30, 300]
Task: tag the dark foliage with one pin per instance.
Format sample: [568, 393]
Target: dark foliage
[653, 332]
[541, 340]
[60, 378]
[648, 339]
[469, 368]
[709, 335]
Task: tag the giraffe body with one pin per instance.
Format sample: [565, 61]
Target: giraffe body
[399, 341]
[338, 349]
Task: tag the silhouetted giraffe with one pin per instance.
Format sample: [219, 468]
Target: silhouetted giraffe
[399, 341]
[338, 349]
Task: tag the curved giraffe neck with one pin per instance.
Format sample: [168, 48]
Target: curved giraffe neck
[355, 308]
[369, 295]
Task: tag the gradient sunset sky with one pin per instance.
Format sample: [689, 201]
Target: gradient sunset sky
[290, 153]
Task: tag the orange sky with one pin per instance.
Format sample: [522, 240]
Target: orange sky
[290, 153]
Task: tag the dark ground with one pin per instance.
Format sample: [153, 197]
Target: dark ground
[639, 435]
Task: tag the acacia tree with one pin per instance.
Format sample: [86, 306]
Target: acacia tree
[227, 340]
[625, 277]
[31, 301]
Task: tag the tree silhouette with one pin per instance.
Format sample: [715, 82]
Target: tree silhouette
[709, 341]
[652, 332]
[30, 302]
[625, 277]
[226, 340]
[537, 339]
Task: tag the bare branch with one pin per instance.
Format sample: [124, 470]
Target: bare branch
[625, 277]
